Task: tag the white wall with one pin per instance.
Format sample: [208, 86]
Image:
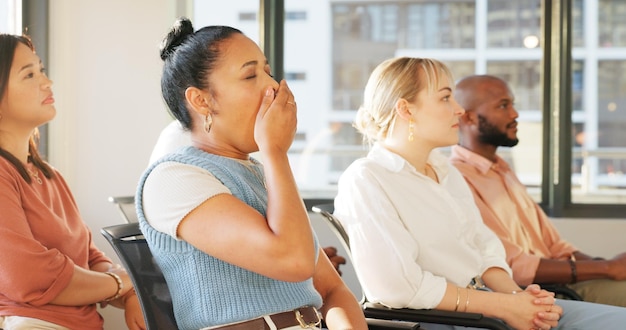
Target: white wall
[105, 66]
[106, 71]
[596, 237]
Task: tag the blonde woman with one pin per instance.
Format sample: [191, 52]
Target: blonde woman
[431, 247]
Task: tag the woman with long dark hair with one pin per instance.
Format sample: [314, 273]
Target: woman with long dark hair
[51, 274]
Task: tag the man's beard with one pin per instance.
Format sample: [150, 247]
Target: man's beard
[489, 134]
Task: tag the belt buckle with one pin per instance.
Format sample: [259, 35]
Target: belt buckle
[303, 323]
[476, 283]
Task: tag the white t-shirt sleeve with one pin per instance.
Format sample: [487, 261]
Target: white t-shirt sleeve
[172, 190]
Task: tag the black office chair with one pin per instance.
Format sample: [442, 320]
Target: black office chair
[126, 206]
[152, 291]
[150, 285]
[561, 291]
[378, 311]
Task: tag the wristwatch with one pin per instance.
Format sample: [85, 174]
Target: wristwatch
[476, 283]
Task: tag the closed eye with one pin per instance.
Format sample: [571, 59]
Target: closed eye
[254, 75]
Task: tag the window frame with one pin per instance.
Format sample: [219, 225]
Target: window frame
[556, 185]
[556, 196]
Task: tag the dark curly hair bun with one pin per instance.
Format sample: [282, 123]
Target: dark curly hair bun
[180, 31]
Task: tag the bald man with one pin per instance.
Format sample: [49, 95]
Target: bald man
[535, 250]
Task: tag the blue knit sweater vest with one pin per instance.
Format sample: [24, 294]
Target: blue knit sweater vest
[207, 291]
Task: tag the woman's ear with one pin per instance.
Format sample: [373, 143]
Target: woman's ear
[403, 109]
[197, 99]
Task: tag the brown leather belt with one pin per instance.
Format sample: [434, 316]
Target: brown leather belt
[305, 317]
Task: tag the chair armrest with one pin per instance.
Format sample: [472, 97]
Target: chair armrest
[378, 311]
[378, 324]
[122, 199]
[562, 291]
[120, 232]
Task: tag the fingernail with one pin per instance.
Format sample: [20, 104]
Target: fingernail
[269, 92]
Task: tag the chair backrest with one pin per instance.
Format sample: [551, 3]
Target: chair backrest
[326, 210]
[150, 285]
[126, 206]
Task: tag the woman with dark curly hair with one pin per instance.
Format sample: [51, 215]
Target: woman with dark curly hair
[232, 236]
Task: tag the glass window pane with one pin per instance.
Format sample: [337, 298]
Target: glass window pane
[524, 79]
[440, 25]
[611, 123]
[578, 93]
[611, 23]
[611, 102]
[578, 26]
[599, 102]
[461, 68]
[509, 23]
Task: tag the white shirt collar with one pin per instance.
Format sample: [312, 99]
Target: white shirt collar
[396, 163]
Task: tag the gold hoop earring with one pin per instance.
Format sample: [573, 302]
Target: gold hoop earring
[208, 121]
[411, 137]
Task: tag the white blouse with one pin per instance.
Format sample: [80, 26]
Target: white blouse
[409, 235]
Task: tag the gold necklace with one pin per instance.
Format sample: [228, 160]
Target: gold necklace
[35, 175]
